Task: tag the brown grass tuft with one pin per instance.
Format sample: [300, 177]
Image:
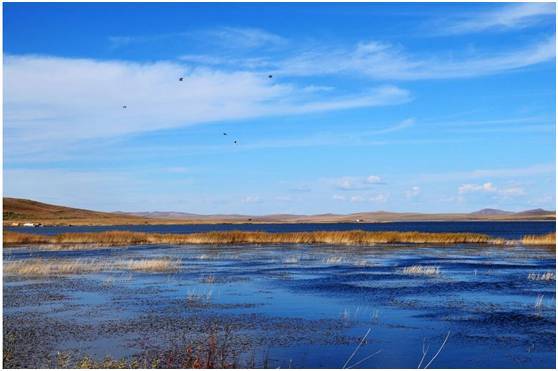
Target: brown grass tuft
[546, 239]
[548, 276]
[421, 270]
[58, 267]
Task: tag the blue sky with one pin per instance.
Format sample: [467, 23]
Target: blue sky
[401, 107]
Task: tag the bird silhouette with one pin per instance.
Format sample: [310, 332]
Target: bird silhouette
[124, 106]
[224, 133]
[235, 142]
[181, 79]
[269, 76]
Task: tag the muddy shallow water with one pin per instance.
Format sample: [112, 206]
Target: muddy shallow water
[293, 306]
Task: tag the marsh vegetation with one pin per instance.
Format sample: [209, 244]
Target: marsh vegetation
[55, 267]
[298, 305]
[344, 238]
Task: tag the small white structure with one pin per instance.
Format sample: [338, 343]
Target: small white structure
[28, 224]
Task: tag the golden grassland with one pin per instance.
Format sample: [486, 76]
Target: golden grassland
[546, 239]
[347, 238]
[55, 267]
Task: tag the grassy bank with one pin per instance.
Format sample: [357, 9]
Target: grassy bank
[348, 238]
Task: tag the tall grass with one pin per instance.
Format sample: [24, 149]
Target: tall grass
[545, 239]
[57, 267]
[548, 276]
[220, 347]
[115, 238]
[421, 270]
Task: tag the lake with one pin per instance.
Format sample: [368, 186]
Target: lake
[508, 230]
[296, 306]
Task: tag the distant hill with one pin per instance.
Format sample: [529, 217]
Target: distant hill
[535, 212]
[29, 211]
[18, 210]
[491, 212]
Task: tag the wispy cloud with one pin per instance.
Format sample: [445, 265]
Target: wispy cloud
[384, 61]
[413, 192]
[50, 100]
[469, 188]
[490, 188]
[539, 169]
[251, 200]
[119, 41]
[244, 37]
[225, 37]
[352, 183]
[229, 61]
[511, 16]
[362, 198]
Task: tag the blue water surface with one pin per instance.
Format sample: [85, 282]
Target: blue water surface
[508, 230]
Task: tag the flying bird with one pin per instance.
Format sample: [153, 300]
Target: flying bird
[235, 142]
[269, 76]
[224, 133]
[181, 79]
[124, 106]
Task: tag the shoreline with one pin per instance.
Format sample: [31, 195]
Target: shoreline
[175, 222]
[345, 238]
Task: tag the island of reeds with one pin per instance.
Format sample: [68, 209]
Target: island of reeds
[346, 238]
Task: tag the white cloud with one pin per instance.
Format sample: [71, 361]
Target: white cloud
[300, 189]
[245, 37]
[348, 183]
[251, 199]
[357, 199]
[224, 37]
[373, 179]
[488, 187]
[284, 198]
[468, 188]
[378, 198]
[512, 191]
[364, 198]
[226, 61]
[413, 192]
[515, 16]
[537, 169]
[51, 101]
[383, 61]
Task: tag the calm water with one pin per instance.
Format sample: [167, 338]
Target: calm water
[298, 306]
[511, 230]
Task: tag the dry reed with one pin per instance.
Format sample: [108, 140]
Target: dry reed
[421, 270]
[545, 239]
[356, 238]
[43, 268]
[548, 276]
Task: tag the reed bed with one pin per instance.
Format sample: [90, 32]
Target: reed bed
[548, 276]
[545, 239]
[421, 270]
[349, 238]
[58, 267]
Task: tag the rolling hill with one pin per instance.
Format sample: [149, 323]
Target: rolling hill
[29, 211]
